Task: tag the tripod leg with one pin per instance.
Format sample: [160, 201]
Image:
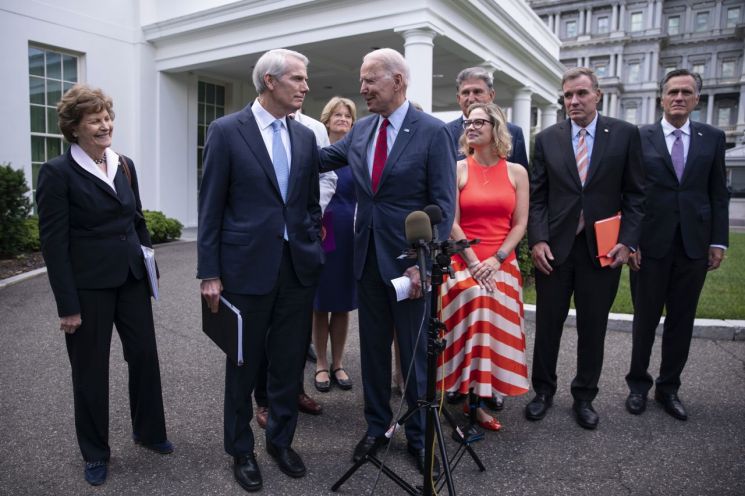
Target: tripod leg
[349, 473]
[466, 443]
[443, 452]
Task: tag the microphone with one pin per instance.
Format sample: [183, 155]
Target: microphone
[435, 217]
[418, 228]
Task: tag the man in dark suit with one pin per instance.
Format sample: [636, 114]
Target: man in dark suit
[402, 161]
[259, 245]
[476, 85]
[585, 169]
[684, 235]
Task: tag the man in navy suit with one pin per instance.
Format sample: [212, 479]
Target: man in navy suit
[476, 85]
[684, 235]
[402, 160]
[259, 245]
[586, 168]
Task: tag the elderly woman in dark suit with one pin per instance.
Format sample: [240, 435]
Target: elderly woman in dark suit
[91, 229]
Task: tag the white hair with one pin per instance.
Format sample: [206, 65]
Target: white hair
[274, 63]
[392, 61]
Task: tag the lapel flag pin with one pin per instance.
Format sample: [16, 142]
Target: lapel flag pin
[606, 130]
[406, 129]
[700, 134]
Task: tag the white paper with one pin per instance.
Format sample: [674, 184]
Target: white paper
[235, 310]
[152, 273]
[402, 285]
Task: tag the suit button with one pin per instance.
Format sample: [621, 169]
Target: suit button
[123, 237]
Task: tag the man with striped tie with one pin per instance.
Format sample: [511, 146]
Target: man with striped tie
[585, 169]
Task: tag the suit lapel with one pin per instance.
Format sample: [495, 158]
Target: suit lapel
[603, 133]
[251, 134]
[296, 161]
[694, 148]
[92, 178]
[366, 130]
[657, 137]
[408, 128]
[567, 151]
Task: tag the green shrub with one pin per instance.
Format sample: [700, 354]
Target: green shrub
[526, 263]
[31, 241]
[14, 208]
[162, 228]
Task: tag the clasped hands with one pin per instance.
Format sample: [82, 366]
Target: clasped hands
[484, 273]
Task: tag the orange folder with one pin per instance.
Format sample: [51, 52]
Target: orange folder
[606, 235]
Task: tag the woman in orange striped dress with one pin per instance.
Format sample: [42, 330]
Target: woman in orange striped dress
[482, 305]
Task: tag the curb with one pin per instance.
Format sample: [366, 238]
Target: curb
[723, 330]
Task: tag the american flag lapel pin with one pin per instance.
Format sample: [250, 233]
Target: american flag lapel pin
[700, 133]
[406, 129]
[605, 130]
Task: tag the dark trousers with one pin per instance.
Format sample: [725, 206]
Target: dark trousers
[594, 289]
[675, 283]
[128, 307]
[276, 326]
[379, 312]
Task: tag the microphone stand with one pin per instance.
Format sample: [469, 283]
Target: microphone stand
[441, 264]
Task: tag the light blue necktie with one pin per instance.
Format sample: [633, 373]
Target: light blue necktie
[281, 164]
[279, 157]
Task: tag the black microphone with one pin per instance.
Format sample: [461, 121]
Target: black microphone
[419, 234]
[435, 217]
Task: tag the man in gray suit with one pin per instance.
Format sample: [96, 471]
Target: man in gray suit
[402, 160]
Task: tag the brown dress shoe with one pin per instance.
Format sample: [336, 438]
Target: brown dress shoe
[262, 416]
[306, 404]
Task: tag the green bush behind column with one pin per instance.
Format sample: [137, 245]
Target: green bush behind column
[162, 228]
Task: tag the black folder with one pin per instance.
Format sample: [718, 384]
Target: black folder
[225, 328]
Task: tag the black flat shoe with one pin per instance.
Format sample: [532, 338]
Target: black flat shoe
[672, 404]
[454, 397]
[246, 472]
[586, 415]
[538, 406]
[322, 386]
[287, 460]
[636, 403]
[495, 403]
[345, 384]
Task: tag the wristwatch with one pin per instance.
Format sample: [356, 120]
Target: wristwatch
[501, 256]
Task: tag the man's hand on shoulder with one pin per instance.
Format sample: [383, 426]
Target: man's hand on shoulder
[211, 290]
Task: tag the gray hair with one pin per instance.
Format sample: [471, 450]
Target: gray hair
[274, 63]
[682, 72]
[474, 73]
[393, 62]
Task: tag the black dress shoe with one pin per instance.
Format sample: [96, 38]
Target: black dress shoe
[495, 403]
[672, 404]
[586, 415]
[454, 397]
[246, 472]
[95, 472]
[636, 403]
[538, 406]
[418, 454]
[287, 459]
[368, 444]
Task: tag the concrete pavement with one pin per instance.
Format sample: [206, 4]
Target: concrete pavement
[649, 454]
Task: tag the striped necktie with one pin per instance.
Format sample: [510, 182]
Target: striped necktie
[582, 159]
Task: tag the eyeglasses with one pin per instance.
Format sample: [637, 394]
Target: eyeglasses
[476, 123]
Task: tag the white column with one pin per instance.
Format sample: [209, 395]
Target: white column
[645, 69]
[658, 14]
[550, 22]
[605, 103]
[581, 23]
[579, 61]
[643, 116]
[418, 48]
[655, 66]
[613, 110]
[548, 115]
[588, 21]
[718, 17]
[557, 24]
[619, 65]
[710, 109]
[650, 15]
[741, 108]
[650, 110]
[688, 27]
[614, 18]
[521, 111]
[622, 18]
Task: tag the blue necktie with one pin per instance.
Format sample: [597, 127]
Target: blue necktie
[279, 158]
[676, 154]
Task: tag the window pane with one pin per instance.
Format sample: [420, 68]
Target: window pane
[733, 17]
[724, 115]
[673, 25]
[35, 62]
[70, 68]
[630, 115]
[220, 95]
[200, 92]
[698, 68]
[66, 87]
[210, 112]
[36, 90]
[54, 147]
[219, 112]
[200, 135]
[54, 92]
[571, 29]
[636, 21]
[633, 73]
[603, 25]
[52, 126]
[37, 119]
[702, 21]
[54, 65]
[728, 69]
[37, 149]
[200, 113]
[35, 175]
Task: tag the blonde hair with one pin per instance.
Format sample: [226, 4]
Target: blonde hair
[332, 105]
[501, 137]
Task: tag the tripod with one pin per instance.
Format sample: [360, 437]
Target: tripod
[435, 346]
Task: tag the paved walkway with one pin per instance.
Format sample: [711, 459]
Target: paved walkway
[652, 454]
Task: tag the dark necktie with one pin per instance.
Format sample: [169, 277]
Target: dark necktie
[381, 154]
[676, 154]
